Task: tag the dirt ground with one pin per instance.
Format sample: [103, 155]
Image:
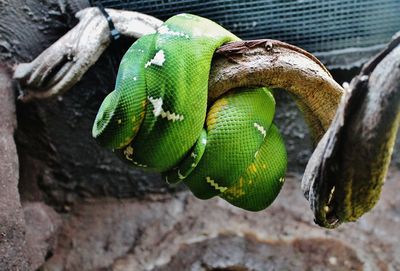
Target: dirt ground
[180, 232]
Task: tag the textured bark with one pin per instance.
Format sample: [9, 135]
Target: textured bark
[281, 66]
[346, 172]
[63, 64]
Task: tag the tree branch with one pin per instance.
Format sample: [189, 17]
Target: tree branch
[278, 65]
[344, 176]
[250, 63]
[64, 63]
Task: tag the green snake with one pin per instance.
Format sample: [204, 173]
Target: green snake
[158, 118]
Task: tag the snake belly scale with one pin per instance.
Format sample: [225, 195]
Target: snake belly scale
[158, 119]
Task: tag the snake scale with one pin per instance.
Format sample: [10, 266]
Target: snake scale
[158, 118]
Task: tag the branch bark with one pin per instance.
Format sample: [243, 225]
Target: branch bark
[278, 65]
[250, 63]
[345, 174]
[63, 64]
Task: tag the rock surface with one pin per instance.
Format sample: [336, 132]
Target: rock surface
[12, 223]
[29, 232]
[180, 232]
[42, 226]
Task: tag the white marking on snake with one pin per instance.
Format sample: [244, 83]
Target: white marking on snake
[181, 177]
[158, 59]
[215, 185]
[193, 155]
[166, 31]
[138, 164]
[261, 129]
[157, 104]
[128, 152]
[171, 116]
[282, 179]
[159, 111]
[134, 78]
[204, 141]
[255, 155]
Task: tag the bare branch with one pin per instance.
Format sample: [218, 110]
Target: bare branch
[64, 63]
[278, 65]
[263, 62]
[344, 176]
[245, 63]
[352, 156]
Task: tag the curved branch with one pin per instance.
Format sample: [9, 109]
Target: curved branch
[64, 63]
[263, 62]
[238, 64]
[278, 65]
[344, 176]
[352, 156]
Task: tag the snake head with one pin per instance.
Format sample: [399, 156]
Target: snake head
[122, 111]
[107, 121]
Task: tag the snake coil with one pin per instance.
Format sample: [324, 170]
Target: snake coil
[158, 118]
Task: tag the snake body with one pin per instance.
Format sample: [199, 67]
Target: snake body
[158, 118]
